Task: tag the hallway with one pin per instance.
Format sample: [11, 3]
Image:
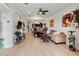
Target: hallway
[35, 47]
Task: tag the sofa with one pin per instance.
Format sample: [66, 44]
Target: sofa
[58, 37]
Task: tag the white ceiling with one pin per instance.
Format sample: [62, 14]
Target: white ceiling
[31, 9]
[2, 8]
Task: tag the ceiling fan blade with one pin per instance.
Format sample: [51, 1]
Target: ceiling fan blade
[42, 11]
[45, 11]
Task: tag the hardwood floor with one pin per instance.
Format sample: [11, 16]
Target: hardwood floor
[35, 47]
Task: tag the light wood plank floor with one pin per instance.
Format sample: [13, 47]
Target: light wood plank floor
[35, 47]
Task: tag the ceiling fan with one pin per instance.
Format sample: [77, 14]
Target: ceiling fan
[42, 11]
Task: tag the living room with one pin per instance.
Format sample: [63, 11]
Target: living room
[39, 24]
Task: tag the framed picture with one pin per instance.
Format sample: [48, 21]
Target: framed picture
[67, 20]
[52, 23]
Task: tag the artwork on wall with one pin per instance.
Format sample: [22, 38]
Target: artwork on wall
[67, 19]
[52, 23]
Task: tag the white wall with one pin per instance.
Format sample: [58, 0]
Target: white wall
[0, 26]
[16, 18]
[7, 29]
[58, 17]
[10, 17]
